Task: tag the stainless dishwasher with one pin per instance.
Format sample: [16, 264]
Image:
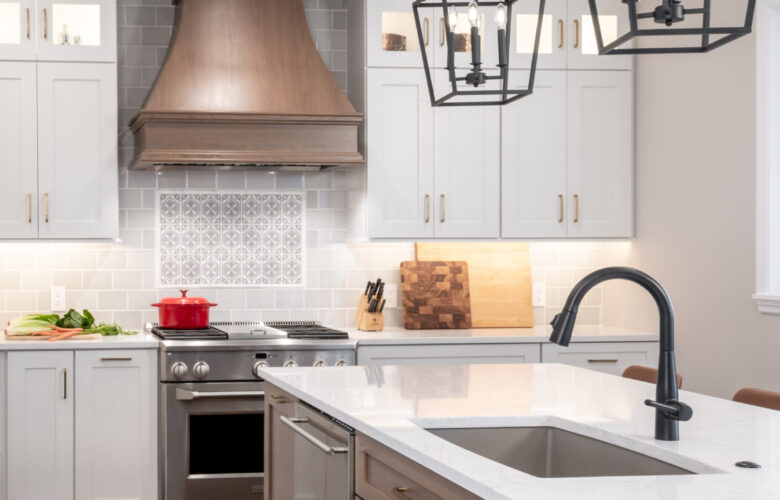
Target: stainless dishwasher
[323, 448]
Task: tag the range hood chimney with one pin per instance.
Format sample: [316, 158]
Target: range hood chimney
[244, 85]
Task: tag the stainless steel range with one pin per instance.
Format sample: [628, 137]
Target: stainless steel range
[212, 400]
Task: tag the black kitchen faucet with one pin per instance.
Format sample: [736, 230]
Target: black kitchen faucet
[668, 410]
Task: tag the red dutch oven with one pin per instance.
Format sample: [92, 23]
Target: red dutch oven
[184, 313]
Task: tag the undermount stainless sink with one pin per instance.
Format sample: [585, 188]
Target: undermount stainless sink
[550, 452]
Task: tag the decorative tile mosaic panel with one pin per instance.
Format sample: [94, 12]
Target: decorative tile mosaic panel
[242, 239]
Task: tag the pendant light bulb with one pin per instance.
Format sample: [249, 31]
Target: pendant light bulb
[501, 17]
[452, 18]
[474, 14]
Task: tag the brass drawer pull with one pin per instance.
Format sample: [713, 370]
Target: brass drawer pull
[46, 197]
[576, 33]
[560, 26]
[443, 208]
[28, 23]
[427, 31]
[400, 492]
[576, 208]
[109, 360]
[279, 399]
[602, 361]
[29, 208]
[64, 383]
[427, 208]
[45, 24]
[442, 41]
[560, 209]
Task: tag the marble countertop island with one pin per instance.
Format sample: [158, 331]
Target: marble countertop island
[394, 405]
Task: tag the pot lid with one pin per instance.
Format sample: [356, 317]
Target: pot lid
[184, 300]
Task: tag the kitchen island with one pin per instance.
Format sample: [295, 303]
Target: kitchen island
[394, 405]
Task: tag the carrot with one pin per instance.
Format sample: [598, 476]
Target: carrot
[44, 332]
[66, 330]
[63, 336]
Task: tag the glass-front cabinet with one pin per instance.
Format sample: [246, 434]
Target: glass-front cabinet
[392, 40]
[17, 30]
[77, 30]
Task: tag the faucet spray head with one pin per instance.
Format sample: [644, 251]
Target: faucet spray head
[563, 326]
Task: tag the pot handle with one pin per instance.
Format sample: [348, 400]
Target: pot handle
[213, 305]
[157, 305]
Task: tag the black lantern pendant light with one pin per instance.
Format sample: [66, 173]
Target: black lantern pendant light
[670, 13]
[477, 86]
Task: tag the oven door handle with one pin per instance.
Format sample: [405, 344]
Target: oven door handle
[292, 423]
[185, 395]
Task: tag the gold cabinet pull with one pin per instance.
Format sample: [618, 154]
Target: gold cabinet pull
[427, 208]
[427, 31]
[560, 208]
[576, 208]
[45, 26]
[442, 40]
[602, 361]
[443, 208]
[29, 208]
[560, 27]
[111, 360]
[400, 492]
[28, 23]
[576, 33]
[46, 203]
[64, 383]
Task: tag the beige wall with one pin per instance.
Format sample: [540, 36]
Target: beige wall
[695, 200]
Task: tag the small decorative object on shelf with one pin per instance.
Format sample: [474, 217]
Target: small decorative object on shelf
[369, 317]
[489, 86]
[671, 19]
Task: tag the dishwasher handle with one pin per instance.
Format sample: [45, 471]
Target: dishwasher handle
[292, 423]
[185, 395]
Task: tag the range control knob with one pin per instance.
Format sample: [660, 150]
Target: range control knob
[320, 364]
[179, 369]
[290, 364]
[341, 362]
[201, 369]
[259, 366]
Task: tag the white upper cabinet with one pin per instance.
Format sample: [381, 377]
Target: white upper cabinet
[399, 154]
[552, 43]
[111, 464]
[77, 150]
[77, 30]
[533, 185]
[467, 171]
[600, 154]
[18, 151]
[391, 34]
[17, 30]
[583, 53]
[462, 40]
[40, 425]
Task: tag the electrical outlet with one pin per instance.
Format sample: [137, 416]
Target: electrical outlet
[539, 291]
[58, 299]
[391, 295]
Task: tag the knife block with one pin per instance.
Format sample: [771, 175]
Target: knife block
[367, 321]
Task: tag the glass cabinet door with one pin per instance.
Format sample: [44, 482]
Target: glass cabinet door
[392, 40]
[462, 32]
[17, 30]
[552, 44]
[77, 30]
[583, 53]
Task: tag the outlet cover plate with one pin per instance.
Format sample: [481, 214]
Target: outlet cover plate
[58, 299]
[539, 291]
[391, 295]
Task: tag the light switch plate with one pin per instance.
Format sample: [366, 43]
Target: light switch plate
[58, 299]
[391, 295]
[539, 291]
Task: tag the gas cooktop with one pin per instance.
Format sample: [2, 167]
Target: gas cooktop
[254, 330]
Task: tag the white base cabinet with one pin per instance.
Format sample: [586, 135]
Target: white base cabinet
[81, 425]
[448, 354]
[607, 357]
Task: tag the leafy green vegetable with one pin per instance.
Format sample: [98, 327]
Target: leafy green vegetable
[73, 319]
[109, 330]
[25, 325]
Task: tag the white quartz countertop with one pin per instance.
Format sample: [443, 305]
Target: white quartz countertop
[534, 335]
[394, 405]
[140, 341]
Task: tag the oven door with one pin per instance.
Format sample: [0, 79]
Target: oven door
[213, 440]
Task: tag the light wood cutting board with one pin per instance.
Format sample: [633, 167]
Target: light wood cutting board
[31, 338]
[499, 280]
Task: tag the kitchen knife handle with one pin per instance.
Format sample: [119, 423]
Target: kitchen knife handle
[560, 209]
[576, 33]
[560, 27]
[427, 208]
[45, 24]
[443, 208]
[576, 208]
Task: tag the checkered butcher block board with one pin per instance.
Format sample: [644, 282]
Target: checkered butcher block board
[435, 295]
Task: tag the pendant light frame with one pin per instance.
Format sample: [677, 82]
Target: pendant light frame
[705, 32]
[504, 95]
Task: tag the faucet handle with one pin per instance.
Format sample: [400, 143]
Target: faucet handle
[672, 409]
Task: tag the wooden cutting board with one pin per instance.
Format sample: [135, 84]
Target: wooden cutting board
[499, 280]
[90, 336]
[435, 295]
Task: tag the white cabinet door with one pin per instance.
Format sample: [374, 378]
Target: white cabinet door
[600, 152]
[40, 424]
[552, 44]
[607, 357]
[116, 424]
[448, 354]
[583, 52]
[18, 150]
[17, 30]
[467, 171]
[77, 150]
[534, 160]
[77, 30]
[400, 154]
[392, 40]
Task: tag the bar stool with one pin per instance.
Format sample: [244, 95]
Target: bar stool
[645, 374]
[758, 397]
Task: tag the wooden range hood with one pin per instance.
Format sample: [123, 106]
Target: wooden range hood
[244, 85]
